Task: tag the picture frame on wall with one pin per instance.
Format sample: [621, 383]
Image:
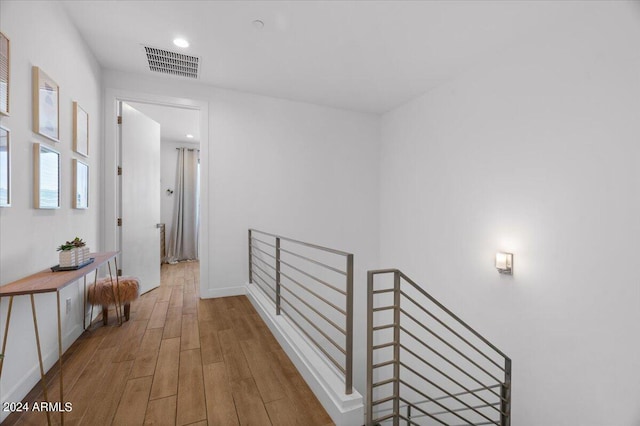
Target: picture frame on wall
[5, 167]
[46, 105]
[80, 130]
[5, 69]
[46, 177]
[80, 185]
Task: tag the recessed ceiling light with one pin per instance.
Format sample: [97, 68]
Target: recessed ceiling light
[180, 42]
[258, 24]
[190, 136]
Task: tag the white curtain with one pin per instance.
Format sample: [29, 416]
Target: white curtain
[183, 241]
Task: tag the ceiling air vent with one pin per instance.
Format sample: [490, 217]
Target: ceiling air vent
[173, 63]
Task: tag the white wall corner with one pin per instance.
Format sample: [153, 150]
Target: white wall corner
[324, 381]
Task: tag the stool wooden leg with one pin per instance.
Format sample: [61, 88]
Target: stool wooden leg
[105, 314]
[127, 310]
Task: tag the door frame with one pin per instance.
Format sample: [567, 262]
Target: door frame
[111, 155]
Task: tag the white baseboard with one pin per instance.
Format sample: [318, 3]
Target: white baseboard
[322, 378]
[24, 386]
[211, 293]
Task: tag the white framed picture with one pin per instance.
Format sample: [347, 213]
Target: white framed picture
[46, 177]
[80, 130]
[5, 167]
[80, 185]
[5, 68]
[46, 105]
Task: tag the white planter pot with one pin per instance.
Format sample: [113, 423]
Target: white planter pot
[68, 258]
[79, 255]
[82, 254]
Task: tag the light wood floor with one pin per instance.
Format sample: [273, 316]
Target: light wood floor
[180, 360]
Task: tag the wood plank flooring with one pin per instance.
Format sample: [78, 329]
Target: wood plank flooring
[180, 360]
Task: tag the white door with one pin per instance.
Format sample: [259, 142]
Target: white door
[140, 197]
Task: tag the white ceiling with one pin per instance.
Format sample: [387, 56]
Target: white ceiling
[175, 123]
[362, 55]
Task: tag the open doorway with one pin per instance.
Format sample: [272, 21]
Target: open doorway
[166, 199]
[111, 212]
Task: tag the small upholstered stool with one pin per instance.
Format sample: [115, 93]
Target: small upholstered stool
[105, 293]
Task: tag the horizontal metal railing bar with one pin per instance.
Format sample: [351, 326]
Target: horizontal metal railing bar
[320, 314]
[462, 370]
[262, 251]
[383, 364]
[264, 262]
[467, 409]
[381, 410]
[264, 291]
[411, 422]
[264, 280]
[312, 324]
[408, 420]
[382, 419]
[439, 371]
[263, 242]
[386, 290]
[436, 414]
[420, 410]
[450, 395]
[456, 394]
[383, 308]
[454, 316]
[383, 271]
[422, 308]
[331, 268]
[449, 345]
[383, 400]
[383, 345]
[382, 383]
[324, 351]
[383, 327]
[334, 306]
[434, 401]
[255, 265]
[479, 424]
[264, 272]
[417, 403]
[302, 243]
[331, 286]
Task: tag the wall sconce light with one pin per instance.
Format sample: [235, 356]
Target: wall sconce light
[504, 263]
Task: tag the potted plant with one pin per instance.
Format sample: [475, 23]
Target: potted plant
[73, 253]
[82, 251]
[67, 255]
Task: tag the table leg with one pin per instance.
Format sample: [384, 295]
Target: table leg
[60, 360]
[84, 303]
[6, 333]
[84, 315]
[115, 262]
[42, 378]
[115, 298]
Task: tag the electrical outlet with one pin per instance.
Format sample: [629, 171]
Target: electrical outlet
[68, 306]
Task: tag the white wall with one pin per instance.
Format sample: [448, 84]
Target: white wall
[41, 35]
[534, 151]
[296, 169]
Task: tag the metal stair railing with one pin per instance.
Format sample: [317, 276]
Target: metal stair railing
[313, 286]
[425, 366]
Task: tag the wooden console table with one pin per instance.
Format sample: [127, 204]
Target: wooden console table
[50, 282]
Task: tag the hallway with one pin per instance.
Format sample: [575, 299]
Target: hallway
[180, 360]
